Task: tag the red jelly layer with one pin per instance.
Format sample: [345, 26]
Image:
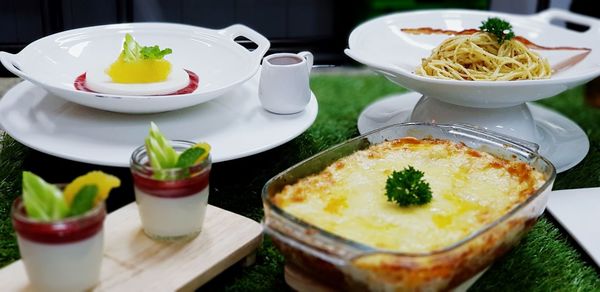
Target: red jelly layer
[68, 230]
[80, 84]
[173, 188]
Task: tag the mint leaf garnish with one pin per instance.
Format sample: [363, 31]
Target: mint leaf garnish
[189, 157]
[84, 200]
[154, 52]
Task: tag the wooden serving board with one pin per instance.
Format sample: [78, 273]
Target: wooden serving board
[133, 262]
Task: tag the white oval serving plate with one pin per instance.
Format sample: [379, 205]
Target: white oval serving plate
[55, 61]
[381, 45]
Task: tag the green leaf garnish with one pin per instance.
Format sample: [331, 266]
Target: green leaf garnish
[43, 201]
[163, 157]
[407, 187]
[498, 27]
[83, 200]
[154, 52]
[132, 51]
[189, 157]
[161, 153]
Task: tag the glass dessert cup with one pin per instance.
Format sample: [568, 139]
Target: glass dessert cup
[62, 255]
[349, 265]
[173, 208]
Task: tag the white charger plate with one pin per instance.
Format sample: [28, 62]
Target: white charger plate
[381, 45]
[55, 61]
[235, 125]
[577, 211]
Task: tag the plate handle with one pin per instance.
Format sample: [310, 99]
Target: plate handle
[238, 30]
[9, 62]
[550, 14]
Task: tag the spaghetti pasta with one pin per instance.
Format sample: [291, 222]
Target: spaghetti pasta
[478, 56]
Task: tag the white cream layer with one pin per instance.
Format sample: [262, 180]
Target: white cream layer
[97, 80]
[172, 217]
[63, 267]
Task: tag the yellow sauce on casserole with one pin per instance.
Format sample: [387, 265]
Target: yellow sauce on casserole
[470, 189]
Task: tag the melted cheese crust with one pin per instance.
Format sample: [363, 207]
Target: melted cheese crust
[470, 189]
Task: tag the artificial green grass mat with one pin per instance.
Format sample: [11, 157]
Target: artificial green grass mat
[11, 159]
[547, 259]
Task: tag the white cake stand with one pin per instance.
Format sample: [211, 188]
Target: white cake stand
[501, 106]
[560, 140]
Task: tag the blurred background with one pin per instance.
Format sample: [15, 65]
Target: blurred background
[320, 26]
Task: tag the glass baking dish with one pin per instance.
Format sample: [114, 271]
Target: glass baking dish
[346, 264]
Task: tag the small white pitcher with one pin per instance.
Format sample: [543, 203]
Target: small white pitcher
[284, 87]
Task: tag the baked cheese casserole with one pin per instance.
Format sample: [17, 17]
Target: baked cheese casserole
[469, 188]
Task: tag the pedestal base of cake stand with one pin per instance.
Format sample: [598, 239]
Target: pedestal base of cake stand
[560, 140]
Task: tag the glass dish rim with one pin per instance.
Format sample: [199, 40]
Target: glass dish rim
[142, 169]
[366, 249]
[19, 203]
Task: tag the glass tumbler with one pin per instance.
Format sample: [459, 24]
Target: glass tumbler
[172, 202]
[61, 255]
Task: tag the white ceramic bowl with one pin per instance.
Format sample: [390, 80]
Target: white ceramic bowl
[381, 45]
[54, 62]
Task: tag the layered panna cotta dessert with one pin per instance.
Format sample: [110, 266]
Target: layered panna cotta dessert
[172, 209]
[63, 255]
[60, 234]
[171, 182]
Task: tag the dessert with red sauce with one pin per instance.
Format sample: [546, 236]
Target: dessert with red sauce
[60, 232]
[139, 70]
[171, 186]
